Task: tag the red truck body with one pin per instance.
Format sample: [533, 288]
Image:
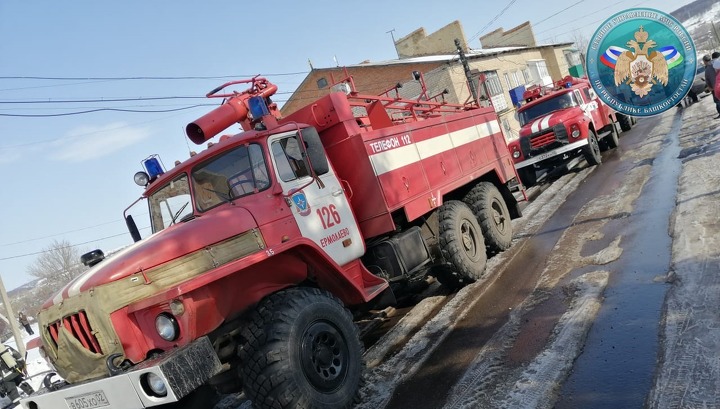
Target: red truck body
[560, 123]
[332, 207]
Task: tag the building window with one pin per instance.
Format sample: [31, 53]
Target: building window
[526, 75]
[322, 83]
[492, 84]
[492, 91]
[507, 81]
[516, 79]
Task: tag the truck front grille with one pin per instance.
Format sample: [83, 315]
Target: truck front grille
[79, 327]
[544, 140]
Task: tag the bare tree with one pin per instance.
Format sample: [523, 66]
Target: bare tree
[59, 263]
[581, 43]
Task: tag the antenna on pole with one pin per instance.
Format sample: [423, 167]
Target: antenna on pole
[392, 35]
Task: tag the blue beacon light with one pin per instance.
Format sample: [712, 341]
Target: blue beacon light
[258, 107]
[153, 166]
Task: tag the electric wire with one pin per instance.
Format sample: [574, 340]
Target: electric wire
[102, 110]
[486, 26]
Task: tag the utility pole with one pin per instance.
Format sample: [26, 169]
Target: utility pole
[11, 319]
[466, 67]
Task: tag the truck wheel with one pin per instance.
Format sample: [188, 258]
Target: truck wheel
[461, 241]
[591, 151]
[301, 350]
[625, 122]
[528, 176]
[612, 141]
[492, 214]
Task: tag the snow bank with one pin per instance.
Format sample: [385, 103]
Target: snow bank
[689, 372]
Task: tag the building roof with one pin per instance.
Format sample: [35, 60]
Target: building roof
[471, 54]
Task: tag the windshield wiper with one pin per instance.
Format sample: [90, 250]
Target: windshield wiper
[178, 213]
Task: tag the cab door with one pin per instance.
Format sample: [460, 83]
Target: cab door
[590, 107]
[321, 210]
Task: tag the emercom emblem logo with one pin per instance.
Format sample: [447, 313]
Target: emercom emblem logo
[641, 62]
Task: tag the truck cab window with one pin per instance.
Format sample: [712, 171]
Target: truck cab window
[170, 204]
[236, 173]
[289, 159]
[562, 101]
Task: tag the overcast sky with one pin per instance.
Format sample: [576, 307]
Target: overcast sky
[69, 177]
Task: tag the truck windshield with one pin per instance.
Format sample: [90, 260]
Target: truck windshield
[547, 106]
[170, 203]
[239, 172]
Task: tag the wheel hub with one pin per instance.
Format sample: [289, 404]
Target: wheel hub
[498, 216]
[324, 356]
[467, 238]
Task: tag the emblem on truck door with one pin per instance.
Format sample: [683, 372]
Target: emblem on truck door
[300, 201]
[641, 62]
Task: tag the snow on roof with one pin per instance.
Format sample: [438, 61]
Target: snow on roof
[471, 53]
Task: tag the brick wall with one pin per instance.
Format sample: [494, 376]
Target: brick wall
[521, 35]
[369, 79]
[442, 41]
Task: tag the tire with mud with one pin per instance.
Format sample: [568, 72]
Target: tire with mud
[492, 214]
[626, 122]
[591, 151]
[528, 176]
[301, 349]
[613, 140]
[461, 243]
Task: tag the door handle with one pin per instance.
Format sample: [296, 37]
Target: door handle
[337, 192]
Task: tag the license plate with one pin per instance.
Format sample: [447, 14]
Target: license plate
[544, 156]
[89, 400]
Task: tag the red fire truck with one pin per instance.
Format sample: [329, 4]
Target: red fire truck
[561, 122]
[263, 243]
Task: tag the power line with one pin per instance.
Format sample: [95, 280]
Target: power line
[73, 245]
[79, 101]
[492, 21]
[58, 234]
[25, 77]
[104, 109]
[601, 19]
[537, 23]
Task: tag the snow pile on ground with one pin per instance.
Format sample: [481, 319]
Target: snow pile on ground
[689, 371]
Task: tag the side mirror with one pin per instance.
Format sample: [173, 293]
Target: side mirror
[132, 227]
[315, 151]
[92, 258]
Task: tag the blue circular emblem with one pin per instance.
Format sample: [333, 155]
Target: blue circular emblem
[641, 62]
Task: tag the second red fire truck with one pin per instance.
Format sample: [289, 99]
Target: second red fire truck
[563, 121]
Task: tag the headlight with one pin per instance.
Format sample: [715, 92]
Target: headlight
[141, 179]
[516, 154]
[575, 133]
[153, 385]
[167, 327]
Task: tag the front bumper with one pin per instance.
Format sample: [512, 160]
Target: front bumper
[552, 153]
[183, 370]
